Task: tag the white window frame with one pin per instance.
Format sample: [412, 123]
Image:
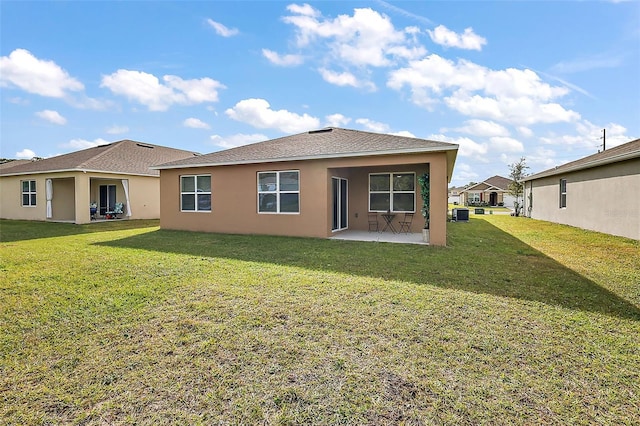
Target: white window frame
[475, 197]
[276, 191]
[195, 193]
[391, 191]
[563, 193]
[29, 192]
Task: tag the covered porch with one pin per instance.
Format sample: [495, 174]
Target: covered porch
[81, 198]
[385, 192]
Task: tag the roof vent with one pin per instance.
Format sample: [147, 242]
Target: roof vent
[144, 146]
[325, 130]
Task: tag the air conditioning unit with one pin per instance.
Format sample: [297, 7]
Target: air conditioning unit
[460, 215]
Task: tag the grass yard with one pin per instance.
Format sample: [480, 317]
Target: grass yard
[516, 322]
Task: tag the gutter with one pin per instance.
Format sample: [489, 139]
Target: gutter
[41, 172]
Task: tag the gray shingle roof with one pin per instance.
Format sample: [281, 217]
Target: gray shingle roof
[495, 181]
[12, 164]
[331, 142]
[622, 152]
[125, 157]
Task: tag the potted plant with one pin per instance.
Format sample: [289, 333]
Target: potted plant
[423, 180]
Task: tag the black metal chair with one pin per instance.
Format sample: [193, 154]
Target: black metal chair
[373, 222]
[405, 224]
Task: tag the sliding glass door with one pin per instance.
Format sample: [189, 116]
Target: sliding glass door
[339, 191]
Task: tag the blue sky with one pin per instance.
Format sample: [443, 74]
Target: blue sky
[504, 80]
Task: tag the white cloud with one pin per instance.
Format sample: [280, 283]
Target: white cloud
[483, 128]
[464, 173]
[525, 131]
[41, 77]
[506, 144]
[25, 154]
[589, 136]
[367, 38]
[195, 123]
[52, 116]
[305, 10]
[373, 126]
[404, 133]
[147, 89]
[237, 140]
[468, 40]
[19, 101]
[116, 130]
[512, 96]
[603, 60]
[541, 158]
[222, 30]
[258, 113]
[345, 79]
[337, 120]
[79, 144]
[467, 147]
[282, 60]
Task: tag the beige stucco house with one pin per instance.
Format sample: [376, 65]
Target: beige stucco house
[600, 192]
[63, 187]
[491, 192]
[313, 184]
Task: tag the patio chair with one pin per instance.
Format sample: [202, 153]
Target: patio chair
[118, 208]
[373, 222]
[405, 224]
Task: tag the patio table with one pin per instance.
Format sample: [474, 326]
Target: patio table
[388, 222]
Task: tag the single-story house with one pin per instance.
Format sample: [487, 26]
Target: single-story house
[490, 192]
[600, 192]
[311, 184]
[62, 188]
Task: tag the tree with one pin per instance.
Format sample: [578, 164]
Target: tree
[516, 188]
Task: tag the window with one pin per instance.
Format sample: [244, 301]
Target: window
[563, 193]
[28, 193]
[392, 192]
[279, 192]
[195, 193]
[474, 197]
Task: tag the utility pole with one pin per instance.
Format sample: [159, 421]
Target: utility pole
[604, 139]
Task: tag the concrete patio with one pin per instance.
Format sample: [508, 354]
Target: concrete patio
[379, 237]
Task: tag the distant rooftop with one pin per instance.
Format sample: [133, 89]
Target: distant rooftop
[622, 152]
[124, 157]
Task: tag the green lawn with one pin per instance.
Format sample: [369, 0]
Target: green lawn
[516, 322]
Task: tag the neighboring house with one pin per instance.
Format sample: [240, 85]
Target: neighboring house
[62, 188]
[454, 195]
[491, 192]
[311, 184]
[600, 192]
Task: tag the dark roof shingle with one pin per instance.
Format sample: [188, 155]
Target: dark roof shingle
[325, 143]
[126, 157]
